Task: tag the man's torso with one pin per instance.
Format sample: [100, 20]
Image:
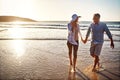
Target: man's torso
[97, 32]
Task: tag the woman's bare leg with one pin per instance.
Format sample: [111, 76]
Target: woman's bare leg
[70, 52]
[75, 56]
[70, 57]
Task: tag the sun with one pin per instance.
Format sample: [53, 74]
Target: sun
[20, 8]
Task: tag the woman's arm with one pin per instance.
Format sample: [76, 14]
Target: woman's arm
[79, 31]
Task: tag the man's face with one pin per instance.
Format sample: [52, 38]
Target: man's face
[96, 19]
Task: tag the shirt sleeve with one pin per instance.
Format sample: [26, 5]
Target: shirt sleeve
[88, 31]
[107, 31]
[69, 29]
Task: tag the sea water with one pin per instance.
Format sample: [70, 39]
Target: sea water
[38, 50]
[48, 30]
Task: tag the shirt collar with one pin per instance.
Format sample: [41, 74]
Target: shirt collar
[97, 23]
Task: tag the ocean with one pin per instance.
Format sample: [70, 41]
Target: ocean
[48, 30]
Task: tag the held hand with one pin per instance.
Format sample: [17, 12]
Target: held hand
[83, 40]
[112, 45]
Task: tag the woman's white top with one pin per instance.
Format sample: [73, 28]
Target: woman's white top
[71, 34]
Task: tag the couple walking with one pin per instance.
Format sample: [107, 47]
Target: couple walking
[97, 30]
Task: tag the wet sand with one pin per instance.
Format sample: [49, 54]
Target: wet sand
[39, 59]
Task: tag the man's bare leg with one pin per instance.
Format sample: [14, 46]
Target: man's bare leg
[96, 61]
[98, 64]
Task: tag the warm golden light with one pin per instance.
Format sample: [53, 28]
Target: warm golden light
[18, 47]
[18, 22]
[72, 70]
[17, 32]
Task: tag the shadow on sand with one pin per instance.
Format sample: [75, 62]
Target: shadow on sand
[117, 75]
[108, 74]
[89, 75]
[81, 74]
[78, 75]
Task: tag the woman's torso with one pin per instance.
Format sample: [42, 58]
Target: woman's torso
[75, 30]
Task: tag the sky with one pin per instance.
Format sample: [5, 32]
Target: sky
[61, 10]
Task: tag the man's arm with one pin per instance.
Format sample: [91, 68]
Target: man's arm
[109, 35]
[87, 35]
[112, 43]
[84, 41]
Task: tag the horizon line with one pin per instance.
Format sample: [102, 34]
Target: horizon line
[61, 20]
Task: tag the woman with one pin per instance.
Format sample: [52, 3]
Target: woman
[73, 39]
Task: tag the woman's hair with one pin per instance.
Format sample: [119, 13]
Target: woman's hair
[74, 24]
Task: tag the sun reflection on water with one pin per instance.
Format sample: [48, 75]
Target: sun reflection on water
[17, 32]
[18, 45]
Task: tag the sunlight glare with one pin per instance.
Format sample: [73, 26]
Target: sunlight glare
[18, 47]
[17, 32]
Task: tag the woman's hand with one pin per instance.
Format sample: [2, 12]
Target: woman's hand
[84, 41]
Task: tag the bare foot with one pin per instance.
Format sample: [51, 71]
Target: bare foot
[94, 70]
[99, 65]
[74, 69]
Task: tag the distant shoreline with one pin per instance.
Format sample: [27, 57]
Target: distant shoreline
[15, 18]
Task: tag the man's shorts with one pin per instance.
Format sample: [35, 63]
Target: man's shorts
[95, 49]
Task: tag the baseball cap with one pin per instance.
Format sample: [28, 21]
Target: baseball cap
[75, 16]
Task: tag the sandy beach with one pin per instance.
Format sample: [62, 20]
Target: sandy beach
[36, 52]
[31, 60]
[35, 36]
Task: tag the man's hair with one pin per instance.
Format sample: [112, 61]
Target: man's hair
[97, 15]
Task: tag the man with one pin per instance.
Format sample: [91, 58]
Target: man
[97, 29]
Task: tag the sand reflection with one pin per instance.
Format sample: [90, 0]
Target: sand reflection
[17, 45]
[90, 74]
[71, 74]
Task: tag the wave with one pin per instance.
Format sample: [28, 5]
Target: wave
[3, 30]
[56, 24]
[53, 27]
[44, 39]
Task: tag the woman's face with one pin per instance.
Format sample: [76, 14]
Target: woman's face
[76, 20]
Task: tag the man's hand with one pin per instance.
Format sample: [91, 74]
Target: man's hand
[112, 45]
[84, 41]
